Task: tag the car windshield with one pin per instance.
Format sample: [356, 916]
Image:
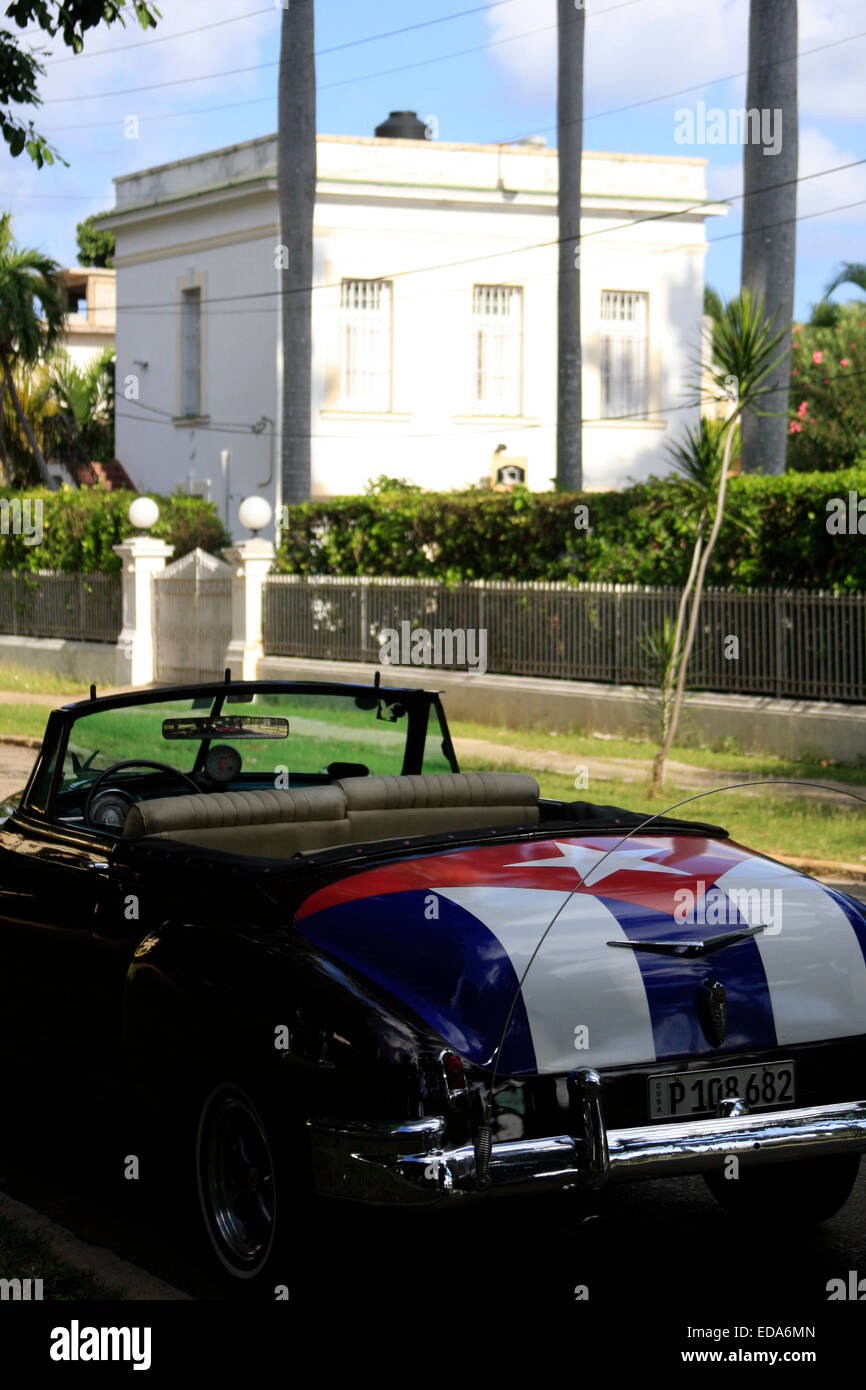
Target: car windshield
[252, 739]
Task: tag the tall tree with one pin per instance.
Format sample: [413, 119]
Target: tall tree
[21, 68]
[95, 243]
[296, 185]
[27, 336]
[569, 120]
[769, 210]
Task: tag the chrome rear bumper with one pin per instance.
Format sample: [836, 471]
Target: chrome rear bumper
[407, 1163]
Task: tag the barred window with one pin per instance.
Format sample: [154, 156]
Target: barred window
[365, 344]
[497, 349]
[624, 354]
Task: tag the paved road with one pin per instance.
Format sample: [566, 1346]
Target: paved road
[15, 765]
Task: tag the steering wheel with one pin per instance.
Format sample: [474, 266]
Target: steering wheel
[133, 762]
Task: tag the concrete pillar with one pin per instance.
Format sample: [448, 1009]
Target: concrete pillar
[142, 557]
[251, 563]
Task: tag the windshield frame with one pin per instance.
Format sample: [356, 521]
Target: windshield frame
[420, 704]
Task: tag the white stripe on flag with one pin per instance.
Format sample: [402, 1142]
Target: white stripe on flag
[812, 959]
[576, 982]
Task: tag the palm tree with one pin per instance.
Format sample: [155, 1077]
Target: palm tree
[296, 190]
[569, 119]
[748, 349]
[26, 336]
[849, 273]
[86, 397]
[769, 210]
[39, 407]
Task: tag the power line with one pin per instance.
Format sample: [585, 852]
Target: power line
[386, 72]
[518, 250]
[319, 52]
[509, 140]
[238, 427]
[162, 38]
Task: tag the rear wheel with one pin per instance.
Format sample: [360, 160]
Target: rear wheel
[253, 1187]
[804, 1192]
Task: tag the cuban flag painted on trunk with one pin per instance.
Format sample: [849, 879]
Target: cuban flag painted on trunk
[541, 934]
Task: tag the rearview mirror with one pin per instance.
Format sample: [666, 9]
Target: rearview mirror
[226, 726]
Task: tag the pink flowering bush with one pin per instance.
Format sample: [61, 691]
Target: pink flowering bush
[827, 411]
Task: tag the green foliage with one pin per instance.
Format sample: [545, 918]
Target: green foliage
[95, 244]
[828, 395]
[21, 66]
[776, 536]
[81, 525]
[85, 398]
[27, 279]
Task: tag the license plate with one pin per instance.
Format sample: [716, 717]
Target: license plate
[675, 1095]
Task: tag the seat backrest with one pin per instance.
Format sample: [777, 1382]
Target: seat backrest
[273, 824]
[381, 807]
[277, 824]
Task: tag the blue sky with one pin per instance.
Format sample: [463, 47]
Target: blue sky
[502, 88]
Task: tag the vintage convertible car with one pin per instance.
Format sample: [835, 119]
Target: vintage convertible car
[339, 966]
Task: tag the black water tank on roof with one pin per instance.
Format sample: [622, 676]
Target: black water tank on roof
[402, 125]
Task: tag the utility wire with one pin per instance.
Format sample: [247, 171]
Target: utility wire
[520, 250]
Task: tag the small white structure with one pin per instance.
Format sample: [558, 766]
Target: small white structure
[89, 292]
[434, 315]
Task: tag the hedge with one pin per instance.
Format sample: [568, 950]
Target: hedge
[81, 525]
[774, 535]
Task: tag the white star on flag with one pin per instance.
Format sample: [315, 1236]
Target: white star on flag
[583, 860]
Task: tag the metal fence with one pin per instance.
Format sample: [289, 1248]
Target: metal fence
[43, 603]
[192, 619]
[796, 644]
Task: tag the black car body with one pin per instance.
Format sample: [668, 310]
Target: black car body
[376, 978]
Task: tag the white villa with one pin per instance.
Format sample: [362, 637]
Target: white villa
[434, 314]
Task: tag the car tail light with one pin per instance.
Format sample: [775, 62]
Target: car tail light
[453, 1074]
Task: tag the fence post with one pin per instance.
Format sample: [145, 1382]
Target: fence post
[251, 562]
[141, 558]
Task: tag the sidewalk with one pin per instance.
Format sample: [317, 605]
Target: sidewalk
[681, 775]
[104, 1265]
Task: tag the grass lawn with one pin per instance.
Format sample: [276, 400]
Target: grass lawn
[14, 677]
[25, 1256]
[727, 757]
[762, 820]
[23, 719]
[760, 817]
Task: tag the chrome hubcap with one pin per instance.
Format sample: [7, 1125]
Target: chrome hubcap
[238, 1181]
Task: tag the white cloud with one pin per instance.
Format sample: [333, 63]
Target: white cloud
[652, 46]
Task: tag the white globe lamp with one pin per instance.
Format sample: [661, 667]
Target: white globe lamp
[255, 513]
[143, 513]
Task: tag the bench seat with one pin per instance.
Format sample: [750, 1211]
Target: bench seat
[352, 810]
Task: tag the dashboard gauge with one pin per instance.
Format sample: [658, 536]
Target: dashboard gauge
[222, 763]
[109, 809]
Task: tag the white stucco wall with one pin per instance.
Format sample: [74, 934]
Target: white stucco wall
[436, 219]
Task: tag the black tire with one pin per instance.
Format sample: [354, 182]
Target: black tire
[254, 1190]
[803, 1192]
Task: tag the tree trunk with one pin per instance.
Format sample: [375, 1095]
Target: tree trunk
[769, 229]
[672, 673]
[661, 756]
[569, 116]
[296, 187]
[46, 477]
